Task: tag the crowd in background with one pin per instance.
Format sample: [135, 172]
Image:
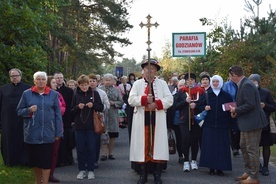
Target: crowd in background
[62, 110]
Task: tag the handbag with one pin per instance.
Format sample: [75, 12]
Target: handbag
[171, 141]
[105, 139]
[98, 121]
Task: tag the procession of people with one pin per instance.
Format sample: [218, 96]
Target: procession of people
[54, 119]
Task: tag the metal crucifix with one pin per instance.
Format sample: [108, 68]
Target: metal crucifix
[149, 25]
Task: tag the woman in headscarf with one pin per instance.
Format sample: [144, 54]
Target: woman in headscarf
[215, 147]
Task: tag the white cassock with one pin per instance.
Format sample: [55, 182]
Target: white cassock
[164, 100]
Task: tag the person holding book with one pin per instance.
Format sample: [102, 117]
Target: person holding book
[215, 130]
[251, 120]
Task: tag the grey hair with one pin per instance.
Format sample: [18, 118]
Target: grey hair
[40, 74]
[124, 77]
[98, 76]
[181, 82]
[174, 79]
[15, 69]
[108, 75]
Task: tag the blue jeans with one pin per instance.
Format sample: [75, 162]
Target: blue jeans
[98, 146]
[86, 149]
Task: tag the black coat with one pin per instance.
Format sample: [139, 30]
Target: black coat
[12, 140]
[270, 105]
[67, 94]
[216, 117]
[84, 117]
[65, 155]
[215, 145]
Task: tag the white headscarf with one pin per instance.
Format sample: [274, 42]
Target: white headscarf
[217, 89]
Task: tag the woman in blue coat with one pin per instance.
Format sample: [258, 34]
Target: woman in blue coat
[39, 107]
[215, 147]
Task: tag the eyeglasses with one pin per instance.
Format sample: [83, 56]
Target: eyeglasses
[14, 76]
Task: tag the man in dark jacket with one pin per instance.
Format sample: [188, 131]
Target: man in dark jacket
[251, 119]
[13, 148]
[65, 156]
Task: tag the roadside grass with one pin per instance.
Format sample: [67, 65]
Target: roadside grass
[273, 155]
[14, 175]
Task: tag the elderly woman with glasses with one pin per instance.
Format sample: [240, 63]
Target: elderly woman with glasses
[39, 107]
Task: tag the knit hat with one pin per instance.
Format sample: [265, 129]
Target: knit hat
[205, 76]
[192, 76]
[204, 73]
[255, 77]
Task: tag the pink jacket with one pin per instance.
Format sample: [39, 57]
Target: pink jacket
[62, 103]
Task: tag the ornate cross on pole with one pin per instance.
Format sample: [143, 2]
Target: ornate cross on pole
[149, 25]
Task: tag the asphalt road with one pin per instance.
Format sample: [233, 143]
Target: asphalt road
[119, 171]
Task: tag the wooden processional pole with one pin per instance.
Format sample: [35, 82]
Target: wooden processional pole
[149, 25]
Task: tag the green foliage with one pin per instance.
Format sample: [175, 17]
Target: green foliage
[73, 37]
[85, 34]
[22, 37]
[13, 175]
[273, 155]
[254, 48]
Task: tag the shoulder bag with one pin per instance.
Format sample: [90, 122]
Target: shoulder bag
[98, 121]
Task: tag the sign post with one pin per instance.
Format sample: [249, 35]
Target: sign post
[119, 71]
[187, 45]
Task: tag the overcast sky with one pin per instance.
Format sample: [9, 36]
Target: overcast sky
[180, 16]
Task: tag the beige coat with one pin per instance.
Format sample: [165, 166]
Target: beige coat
[137, 144]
